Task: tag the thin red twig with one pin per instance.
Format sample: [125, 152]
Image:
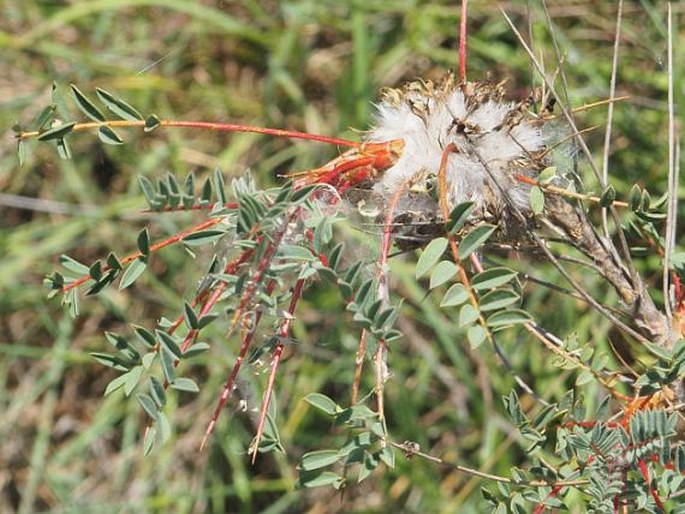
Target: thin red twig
[462, 41]
[153, 248]
[228, 387]
[205, 125]
[645, 473]
[230, 127]
[540, 507]
[282, 334]
[230, 268]
[381, 348]
[262, 267]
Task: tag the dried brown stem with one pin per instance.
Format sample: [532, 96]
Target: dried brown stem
[412, 449]
[651, 323]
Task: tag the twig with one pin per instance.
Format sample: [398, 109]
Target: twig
[282, 334]
[610, 110]
[586, 151]
[587, 243]
[411, 450]
[228, 387]
[462, 40]
[359, 365]
[671, 216]
[565, 192]
[153, 248]
[221, 127]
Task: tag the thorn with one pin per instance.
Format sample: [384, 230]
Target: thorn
[208, 432]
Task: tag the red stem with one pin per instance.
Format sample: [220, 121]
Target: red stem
[157, 246]
[229, 269]
[228, 387]
[540, 507]
[282, 334]
[262, 266]
[645, 473]
[462, 41]
[230, 127]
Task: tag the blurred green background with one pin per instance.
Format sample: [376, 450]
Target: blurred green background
[312, 65]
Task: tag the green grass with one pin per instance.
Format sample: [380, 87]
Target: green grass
[303, 65]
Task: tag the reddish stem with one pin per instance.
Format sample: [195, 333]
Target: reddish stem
[153, 248]
[205, 125]
[526, 180]
[262, 266]
[282, 334]
[540, 507]
[645, 473]
[231, 127]
[228, 387]
[383, 292]
[462, 41]
[230, 268]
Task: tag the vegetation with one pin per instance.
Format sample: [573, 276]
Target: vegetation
[457, 424]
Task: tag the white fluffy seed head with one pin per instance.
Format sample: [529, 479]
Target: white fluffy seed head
[495, 139]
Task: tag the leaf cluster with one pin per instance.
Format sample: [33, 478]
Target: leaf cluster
[364, 450]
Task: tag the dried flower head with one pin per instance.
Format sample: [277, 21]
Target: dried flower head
[495, 139]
